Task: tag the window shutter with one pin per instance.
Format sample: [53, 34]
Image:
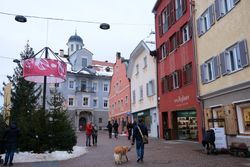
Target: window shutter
[159, 54]
[153, 87]
[169, 15]
[207, 116]
[168, 47]
[172, 12]
[236, 1]
[243, 53]
[217, 9]
[170, 82]
[184, 6]
[203, 74]
[147, 89]
[198, 22]
[190, 28]
[179, 78]
[231, 127]
[211, 14]
[216, 67]
[160, 25]
[184, 75]
[163, 85]
[223, 63]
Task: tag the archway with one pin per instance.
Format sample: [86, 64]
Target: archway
[82, 124]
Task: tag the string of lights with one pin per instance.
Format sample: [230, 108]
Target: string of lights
[73, 20]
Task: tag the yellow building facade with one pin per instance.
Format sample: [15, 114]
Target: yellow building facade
[222, 29]
[7, 102]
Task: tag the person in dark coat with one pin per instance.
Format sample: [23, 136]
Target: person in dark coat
[10, 137]
[109, 126]
[129, 128]
[115, 126]
[209, 140]
[94, 134]
[137, 137]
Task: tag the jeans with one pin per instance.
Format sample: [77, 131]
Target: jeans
[94, 139]
[139, 149]
[10, 151]
[88, 140]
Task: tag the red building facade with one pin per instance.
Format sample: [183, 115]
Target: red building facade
[180, 116]
[119, 95]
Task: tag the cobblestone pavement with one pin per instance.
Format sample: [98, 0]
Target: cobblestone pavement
[158, 153]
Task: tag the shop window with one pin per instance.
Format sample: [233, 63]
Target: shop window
[243, 115]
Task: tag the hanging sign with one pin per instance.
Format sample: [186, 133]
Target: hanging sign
[34, 70]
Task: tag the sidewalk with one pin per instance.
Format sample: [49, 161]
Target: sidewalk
[158, 153]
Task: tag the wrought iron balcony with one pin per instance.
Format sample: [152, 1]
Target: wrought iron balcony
[85, 89]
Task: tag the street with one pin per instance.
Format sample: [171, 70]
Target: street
[158, 153]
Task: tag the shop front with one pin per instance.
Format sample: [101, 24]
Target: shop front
[145, 115]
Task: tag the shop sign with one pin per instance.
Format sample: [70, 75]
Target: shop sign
[181, 99]
[220, 138]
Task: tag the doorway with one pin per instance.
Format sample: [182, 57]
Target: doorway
[82, 124]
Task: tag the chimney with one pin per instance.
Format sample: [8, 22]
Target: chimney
[61, 53]
[118, 55]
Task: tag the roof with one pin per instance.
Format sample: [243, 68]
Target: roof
[75, 38]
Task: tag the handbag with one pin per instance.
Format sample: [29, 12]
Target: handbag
[144, 137]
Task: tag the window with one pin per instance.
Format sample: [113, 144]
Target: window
[71, 84]
[77, 47]
[105, 87]
[105, 103]
[210, 70]
[185, 33]
[85, 101]
[126, 99]
[206, 20]
[150, 88]
[176, 80]
[165, 19]
[94, 86]
[83, 86]
[216, 117]
[145, 62]
[57, 85]
[141, 92]
[234, 58]
[100, 120]
[222, 7]
[137, 69]
[95, 102]
[178, 9]
[84, 62]
[72, 47]
[71, 101]
[187, 74]
[134, 97]
[243, 115]
[164, 50]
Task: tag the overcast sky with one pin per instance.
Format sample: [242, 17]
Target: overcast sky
[131, 21]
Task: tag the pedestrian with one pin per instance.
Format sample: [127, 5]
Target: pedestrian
[109, 126]
[115, 126]
[208, 141]
[129, 129]
[137, 137]
[94, 134]
[10, 137]
[88, 133]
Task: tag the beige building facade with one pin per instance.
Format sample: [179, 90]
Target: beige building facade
[222, 45]
[7, 102]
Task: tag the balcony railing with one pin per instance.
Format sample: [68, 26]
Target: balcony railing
[85, 89]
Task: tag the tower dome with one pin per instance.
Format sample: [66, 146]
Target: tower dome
[75, 38]
[74, 43]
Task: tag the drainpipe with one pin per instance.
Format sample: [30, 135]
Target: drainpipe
[198, 98]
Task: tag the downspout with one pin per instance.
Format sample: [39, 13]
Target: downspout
[198, 98]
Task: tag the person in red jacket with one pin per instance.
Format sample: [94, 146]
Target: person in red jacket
[89, 132]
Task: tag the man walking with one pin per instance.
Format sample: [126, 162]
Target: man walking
[10, 137]
[129, 129]
[138, 138]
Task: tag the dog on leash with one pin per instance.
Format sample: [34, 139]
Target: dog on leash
[119, 152]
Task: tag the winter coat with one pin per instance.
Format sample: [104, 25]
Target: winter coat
[136, 132]
[115, 126]
[89, 129]
[11, 134]
[109, 126]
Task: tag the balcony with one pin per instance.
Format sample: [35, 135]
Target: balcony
[85, 89]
